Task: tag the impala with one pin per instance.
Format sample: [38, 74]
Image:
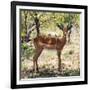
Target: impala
[57, 43]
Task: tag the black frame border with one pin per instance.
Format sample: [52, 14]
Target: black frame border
[13, 44]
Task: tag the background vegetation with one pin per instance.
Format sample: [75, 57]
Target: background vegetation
[48, 61]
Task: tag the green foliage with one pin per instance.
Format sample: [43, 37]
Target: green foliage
[47, 20]
[24, 46]
[23, 34]
[26, 51]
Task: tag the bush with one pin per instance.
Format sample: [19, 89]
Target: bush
[26, 51]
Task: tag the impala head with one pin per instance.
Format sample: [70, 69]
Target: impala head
[65, 28]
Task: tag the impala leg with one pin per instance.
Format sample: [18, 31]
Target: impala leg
[68, 38]
[59, 60]
[35, 58]
[69, 35]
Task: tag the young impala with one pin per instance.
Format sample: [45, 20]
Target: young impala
[42, 42]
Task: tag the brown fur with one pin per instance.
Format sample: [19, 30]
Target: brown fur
[50, 43]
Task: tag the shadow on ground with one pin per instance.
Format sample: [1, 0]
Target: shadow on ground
[43, 73]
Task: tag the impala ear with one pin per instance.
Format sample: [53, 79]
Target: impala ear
[69, 26]
[60, 26]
